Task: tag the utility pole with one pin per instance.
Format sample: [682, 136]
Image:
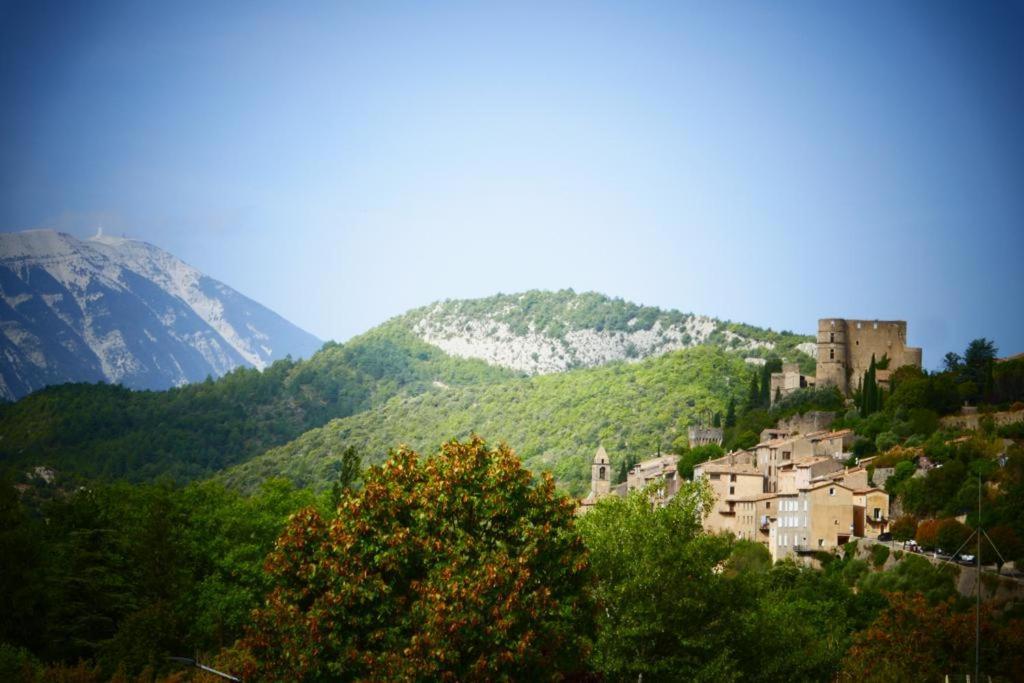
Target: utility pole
[977, 604]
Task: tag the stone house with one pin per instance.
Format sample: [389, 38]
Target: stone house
[730, 484]
[802, 473]
[817, 518]
[784, 383]
[870, 512]
[754, 515]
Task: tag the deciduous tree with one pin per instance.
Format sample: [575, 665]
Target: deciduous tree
[460, 566]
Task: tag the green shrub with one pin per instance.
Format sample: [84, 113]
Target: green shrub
[879, 554]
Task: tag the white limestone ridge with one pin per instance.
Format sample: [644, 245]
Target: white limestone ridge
[123, 311]
[463, 329]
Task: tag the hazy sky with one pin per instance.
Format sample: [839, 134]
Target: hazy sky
[765, 162]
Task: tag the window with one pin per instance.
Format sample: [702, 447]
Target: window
[785, 455]
[600, 474]
[715, 477]
[732, 490]
[821, 542]
[732, 477]
[767, 505]
[831, 356]
[831, 490]
[831, 337]
[878, 513]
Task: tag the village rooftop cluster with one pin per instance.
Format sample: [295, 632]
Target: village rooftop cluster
[792, 491]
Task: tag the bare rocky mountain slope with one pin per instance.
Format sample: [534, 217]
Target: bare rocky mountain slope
[539, 332]
[126, 312]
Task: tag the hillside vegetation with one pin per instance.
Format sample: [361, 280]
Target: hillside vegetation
[196, 430]
[557, 421]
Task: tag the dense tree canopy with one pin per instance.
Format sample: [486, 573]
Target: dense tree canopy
[459, 566]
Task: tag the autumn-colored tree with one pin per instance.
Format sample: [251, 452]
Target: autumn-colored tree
[904, 528]
[927, 533]
[460, 566]
[914, 641]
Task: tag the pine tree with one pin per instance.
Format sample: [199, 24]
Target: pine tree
[730, 414]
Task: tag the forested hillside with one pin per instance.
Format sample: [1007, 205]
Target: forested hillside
[196, 430]
[556, 421]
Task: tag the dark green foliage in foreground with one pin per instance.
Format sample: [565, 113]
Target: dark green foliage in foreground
[558, 421]
[199, 429]
[125, 575]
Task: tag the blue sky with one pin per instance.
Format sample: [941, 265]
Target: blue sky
[770, 163]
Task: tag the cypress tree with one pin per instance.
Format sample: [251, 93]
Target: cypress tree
[730, 413]
[754, 395]
[716, 421]
[869, 392]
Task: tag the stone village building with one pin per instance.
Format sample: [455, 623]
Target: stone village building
[796, 503]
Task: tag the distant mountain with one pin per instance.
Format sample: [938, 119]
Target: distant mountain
[126, 312]
[540, 332]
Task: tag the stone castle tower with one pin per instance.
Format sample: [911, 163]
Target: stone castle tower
[600, 474]
[845, 348]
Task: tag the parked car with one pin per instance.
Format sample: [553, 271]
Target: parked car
[941, 554]
[912, 546]
[966, 558]
[885, 537]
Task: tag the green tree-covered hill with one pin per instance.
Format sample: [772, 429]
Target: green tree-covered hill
[193, 431]
[556, 421]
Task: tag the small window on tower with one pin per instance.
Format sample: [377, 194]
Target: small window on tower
[831, 337]
[831, 354]
[600, 474]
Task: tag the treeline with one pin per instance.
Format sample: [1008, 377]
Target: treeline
[196, 430]
[460, 566]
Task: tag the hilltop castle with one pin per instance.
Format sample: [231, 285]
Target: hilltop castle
[844, 352]
[845, 348]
